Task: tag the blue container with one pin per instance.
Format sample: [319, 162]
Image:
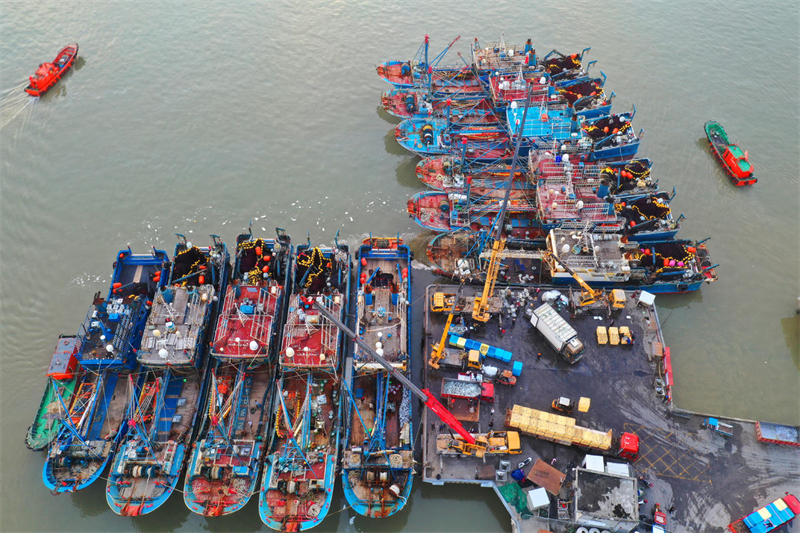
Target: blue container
[516, 368]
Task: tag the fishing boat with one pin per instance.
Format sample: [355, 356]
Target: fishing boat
[223, 468]
[495, 56]
[606, 138]
[164, 405]
[606, 179]
[735, 162]
[433, 170]
[62, 375]
[477, 138]
[607, 260]
[93, 424]
[417, 103]
[300, 468]
[420, 71]
[378, 457]
[443, 211]
[48, 74]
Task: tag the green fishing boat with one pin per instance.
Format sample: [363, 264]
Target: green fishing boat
[61, 380]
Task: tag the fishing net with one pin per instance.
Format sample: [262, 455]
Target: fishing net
[188, 262]
[557, 65]
[318, 268]
[256, 260]
[666, 257]
[516, 497]
[606, 126]
[579, 90]
[648, 208]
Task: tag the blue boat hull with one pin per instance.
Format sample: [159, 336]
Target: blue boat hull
[122, 506]
[364, 509]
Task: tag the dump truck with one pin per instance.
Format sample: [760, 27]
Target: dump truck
[492, 443]
[561, 336]
[467, 390]
[563, 430]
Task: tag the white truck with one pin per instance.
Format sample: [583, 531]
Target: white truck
[561, 336]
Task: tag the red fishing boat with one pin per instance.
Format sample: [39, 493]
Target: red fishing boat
[49, 73]
[735, 161]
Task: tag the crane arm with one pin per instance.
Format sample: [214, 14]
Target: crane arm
[585, 286]
[423, 394]
[437, 352]
[482, 303]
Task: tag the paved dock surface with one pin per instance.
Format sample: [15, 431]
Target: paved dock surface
[711, 480]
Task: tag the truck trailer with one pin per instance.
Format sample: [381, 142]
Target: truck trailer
[561, 336]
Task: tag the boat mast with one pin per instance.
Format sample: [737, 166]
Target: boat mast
[501, 217]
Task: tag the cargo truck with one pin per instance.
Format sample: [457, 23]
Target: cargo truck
[769, 518]
[561, 336]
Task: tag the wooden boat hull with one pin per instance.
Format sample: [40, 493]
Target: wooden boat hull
[38, 87]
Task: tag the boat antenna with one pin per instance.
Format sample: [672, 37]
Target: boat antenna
[501, 217]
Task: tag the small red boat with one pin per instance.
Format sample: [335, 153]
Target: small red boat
[49, 73]
[735, 161]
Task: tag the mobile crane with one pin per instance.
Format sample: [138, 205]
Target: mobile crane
[480, 311]
[438, 349]
[465, 443]
[589, 296]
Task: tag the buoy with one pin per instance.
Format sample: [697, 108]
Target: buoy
[163, 353]
[544, 117]
[253, 346]
[201, 279]
[265, 269]
[156, 333]
[672, 262]
[616, 130]
[565, 249]
[290, 352]
[379, 351]
[378, 345]
[691, 249]
[117, 285]
[605, 129]
[405, 273]
[258, 250]
[363, 261]
[109, 348]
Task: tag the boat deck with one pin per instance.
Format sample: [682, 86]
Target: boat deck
[247, 316]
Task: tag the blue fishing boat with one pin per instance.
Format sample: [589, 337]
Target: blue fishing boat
[300, 468]
[606, 260]
[93, 425]
[378, 459]
[164, 406]
[223, 468]
[481, 138]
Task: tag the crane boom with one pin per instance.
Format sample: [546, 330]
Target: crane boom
[585, 286]
[436, 355]
[480, 309]
[423, 394]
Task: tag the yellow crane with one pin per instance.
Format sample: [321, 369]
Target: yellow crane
[480, 310]
[590, 296]
[438, 349]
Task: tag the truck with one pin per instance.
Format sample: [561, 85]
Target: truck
[563, 430]
[726, 430]
[467, 390]
[777, 434]
[561, 336]
[769, 518]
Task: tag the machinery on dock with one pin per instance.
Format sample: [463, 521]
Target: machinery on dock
[438, 349]
[480, 310]
[506, 377]
[590, 298]
[476, 447]
[492, 443]
[561, 336]
[562, 404]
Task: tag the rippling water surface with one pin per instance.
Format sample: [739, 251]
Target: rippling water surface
[199, 118]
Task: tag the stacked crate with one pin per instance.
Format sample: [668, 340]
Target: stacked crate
[555, 428]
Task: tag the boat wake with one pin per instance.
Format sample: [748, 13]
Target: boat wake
[13, 102]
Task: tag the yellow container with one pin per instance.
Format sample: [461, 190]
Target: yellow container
[484, 349]
[602, 335]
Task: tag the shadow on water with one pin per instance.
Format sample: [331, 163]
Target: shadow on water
[80, 61]
[466, 494]
[678, 301]
[407, 173]
[389, 118]
[392, 146]
[791, 332]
